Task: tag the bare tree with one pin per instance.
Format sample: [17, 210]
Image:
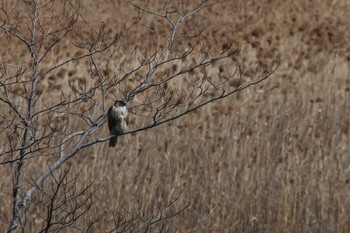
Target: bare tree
[63, 203]
[139, 221]
[171, 78]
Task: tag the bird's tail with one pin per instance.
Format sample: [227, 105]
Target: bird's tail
[113, 141]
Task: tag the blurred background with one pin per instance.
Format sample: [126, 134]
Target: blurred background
[272, 158]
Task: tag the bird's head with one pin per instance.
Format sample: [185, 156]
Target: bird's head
[118, 103]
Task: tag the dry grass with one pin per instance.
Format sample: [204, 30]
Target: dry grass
[274, 158]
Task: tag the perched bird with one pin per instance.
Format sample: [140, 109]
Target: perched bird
[117, 121]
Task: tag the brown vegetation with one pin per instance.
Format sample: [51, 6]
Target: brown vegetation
[273, 158]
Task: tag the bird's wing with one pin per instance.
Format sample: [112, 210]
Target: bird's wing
[111, 119]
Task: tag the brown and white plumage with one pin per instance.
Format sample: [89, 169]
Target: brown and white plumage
[117, 121]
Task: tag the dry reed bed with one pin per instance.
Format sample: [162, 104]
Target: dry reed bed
[273, 158]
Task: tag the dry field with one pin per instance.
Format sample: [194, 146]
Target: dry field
[272, 158]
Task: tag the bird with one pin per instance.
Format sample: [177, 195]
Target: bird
[117, 121]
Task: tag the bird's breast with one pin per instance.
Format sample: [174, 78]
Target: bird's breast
[120, 114]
